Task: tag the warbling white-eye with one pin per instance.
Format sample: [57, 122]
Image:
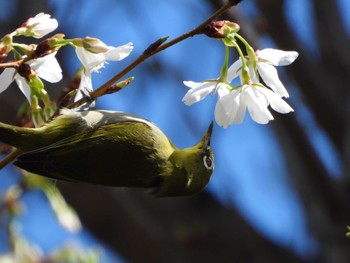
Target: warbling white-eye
[113, 149]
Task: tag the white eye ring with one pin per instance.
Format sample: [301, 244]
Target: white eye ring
[208, 162]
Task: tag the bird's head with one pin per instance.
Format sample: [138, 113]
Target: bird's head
[191, 169]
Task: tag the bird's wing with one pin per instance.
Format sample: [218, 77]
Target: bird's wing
[116, 155]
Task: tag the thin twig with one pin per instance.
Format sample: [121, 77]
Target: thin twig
[9, 158]
[150, 51]
[11, 64]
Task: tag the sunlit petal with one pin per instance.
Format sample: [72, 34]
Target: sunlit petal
[48, 68]
[278, 57]
[85, 86]
[198, 92]
[229, 110]
[276, 102]
[234, 70]
[6, 78]
[257, 111]
[222, 90]
[40, 25]
[23, 86]
[253, 74]
[270, 76]
[118, 53]
[88, 59]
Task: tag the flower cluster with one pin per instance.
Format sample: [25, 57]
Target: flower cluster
[35, 63]
[252, 94]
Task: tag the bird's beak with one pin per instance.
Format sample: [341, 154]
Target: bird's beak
[205, 142]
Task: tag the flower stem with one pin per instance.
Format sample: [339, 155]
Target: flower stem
[245, 70]
[241, 55]
[249, 49]
[223, 75]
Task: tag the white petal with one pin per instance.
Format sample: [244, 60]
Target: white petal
[86, 82]
[85, 86]
[253, 74]
[118, 53]
[270, 76]
[192, 84]
[229, 110]
[48, 68]
[278, 57]
[42, 24]
[33, 20]
[234, 70]
[222, 90]
[43, 29]
[259, 98]
[6, 78]
[238, 116]
[256, 106]
[261, 117]
[91, 60]
[88, 59]
[199, 92]
[23, 86]
[276, 101]
[221, 115]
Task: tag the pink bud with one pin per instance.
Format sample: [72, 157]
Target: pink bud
[220, 29]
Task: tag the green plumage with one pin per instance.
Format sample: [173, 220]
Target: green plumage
[114, 149]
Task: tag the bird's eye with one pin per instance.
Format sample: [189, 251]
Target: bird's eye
[208, 162]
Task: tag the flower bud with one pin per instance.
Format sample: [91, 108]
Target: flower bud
[25, 71]
[94, 45]
[5, 46]
[50, 45]
[3, 53]
[220, 29]
[6, 40]
[26, 49]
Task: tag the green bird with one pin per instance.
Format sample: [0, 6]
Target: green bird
[114, 149]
